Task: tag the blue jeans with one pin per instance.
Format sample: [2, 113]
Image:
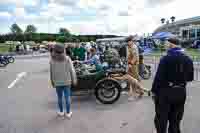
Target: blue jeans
[66, 90]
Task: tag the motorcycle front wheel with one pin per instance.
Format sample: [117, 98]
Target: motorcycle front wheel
[11, 60]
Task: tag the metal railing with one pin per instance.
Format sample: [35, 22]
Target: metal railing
[154, 61]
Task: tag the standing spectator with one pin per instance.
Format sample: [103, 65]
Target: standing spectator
[79, 52]
[133, 71]
[25, 48]
[28, 48]
[50, 49]
[132, 49]
[135, 86]
[72, 48]
[76, 51]
[17, 48]
[82, 53]
[68, 50]
[62, 75]
[21, 49]
[88, 47]
[169, 87]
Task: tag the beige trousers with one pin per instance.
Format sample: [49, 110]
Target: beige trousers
[135, 86]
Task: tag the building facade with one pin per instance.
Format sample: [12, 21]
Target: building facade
[187, 29]
[191, 32]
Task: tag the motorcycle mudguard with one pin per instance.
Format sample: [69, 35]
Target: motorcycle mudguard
[111, 79]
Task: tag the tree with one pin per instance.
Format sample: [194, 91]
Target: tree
[15, 29]
[37, 38]
[70, 39]
[30, 29]
[84, 39]
[173, 19]
[64, 32]
[162, 20]
[93, 38]
[61, 39]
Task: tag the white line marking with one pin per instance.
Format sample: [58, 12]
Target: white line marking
[19, 76]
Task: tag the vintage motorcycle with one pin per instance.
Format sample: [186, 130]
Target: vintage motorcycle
[107, 90]
[102, 84]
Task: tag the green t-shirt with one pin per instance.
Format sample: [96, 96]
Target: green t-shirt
[80, 52]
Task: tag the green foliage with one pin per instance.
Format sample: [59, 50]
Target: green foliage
[15, 29]
[4, 48]
[64, 32]
[31, 35]
[39, 37]
[30, 29]
[61, 39]
[160, 47]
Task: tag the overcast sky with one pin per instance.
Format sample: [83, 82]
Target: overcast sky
[121, 17]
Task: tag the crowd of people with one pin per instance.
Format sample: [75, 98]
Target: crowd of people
[88, 55]
[22, 49]
[168, 89]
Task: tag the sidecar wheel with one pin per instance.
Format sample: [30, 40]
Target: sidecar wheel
[108, 91]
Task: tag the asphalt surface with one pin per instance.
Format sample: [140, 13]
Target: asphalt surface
[30, 106]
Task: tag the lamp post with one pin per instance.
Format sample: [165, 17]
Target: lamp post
[163, 20]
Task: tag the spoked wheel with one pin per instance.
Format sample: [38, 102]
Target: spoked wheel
[108, 91]
[11, 60]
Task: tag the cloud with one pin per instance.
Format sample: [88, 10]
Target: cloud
[96, 16]
[153, 3]
[5, 15]
[104, 7]
[65, 2]
[20, 3]
[32, 3]
[123, 13]
[17, 3]
[58, 10]
[178, 8]
[19, 12]
[5, 2]
[84, 4]
[140, 24]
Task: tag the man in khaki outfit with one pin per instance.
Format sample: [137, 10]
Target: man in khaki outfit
[133, 64]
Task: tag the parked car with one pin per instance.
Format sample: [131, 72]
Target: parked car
[196, 44]
[43, 50]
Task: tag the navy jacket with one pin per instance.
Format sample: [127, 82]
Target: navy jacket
[175, 67]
